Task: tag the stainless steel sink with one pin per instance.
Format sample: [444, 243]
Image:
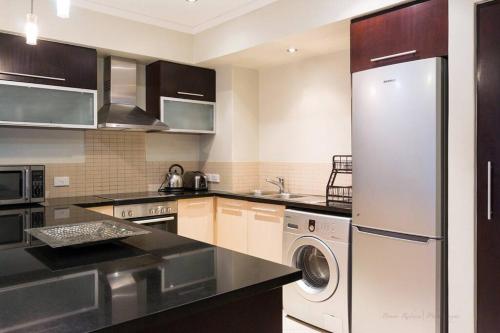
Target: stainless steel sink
[274, 195]
[286, 196]
[306, 198]
[260, 194]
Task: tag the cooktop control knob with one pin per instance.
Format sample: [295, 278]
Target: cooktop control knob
[163, 210]
[130, 213]
[123, 214]
[169, 209]
[151, 211]
[157, 211]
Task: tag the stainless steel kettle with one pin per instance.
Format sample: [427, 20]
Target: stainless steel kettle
[173, 180]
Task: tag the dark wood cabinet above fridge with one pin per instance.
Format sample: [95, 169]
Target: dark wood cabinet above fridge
[416, 30]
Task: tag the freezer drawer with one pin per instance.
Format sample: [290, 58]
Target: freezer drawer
[395, 284]
[397, 146]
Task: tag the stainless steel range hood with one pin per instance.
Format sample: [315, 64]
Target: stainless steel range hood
[120, 111]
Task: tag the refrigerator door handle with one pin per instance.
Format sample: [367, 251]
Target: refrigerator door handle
[392, 234]
[488, 212]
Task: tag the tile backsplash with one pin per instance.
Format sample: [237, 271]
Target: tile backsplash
[235, 176]
[304, 178]
[116, 162]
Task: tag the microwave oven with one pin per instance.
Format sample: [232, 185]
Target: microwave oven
[22, 184]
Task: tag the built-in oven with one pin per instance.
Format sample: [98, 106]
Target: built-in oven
[22, 184]
[160, 215]
[13, 222]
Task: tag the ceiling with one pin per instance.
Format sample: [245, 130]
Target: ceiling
[330, 38]
[179, 15]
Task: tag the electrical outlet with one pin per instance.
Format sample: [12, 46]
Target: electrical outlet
[213, 177]
[61, 181]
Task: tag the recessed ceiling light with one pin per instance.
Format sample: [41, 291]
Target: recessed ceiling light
[191, 1]
[292, 50]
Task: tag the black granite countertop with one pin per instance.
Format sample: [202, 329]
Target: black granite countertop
[87, 201]
[81, 289]
[84, 201]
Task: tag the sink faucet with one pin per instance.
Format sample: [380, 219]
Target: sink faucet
[280, 182]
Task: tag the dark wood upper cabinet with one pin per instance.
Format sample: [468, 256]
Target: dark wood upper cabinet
[169, 79]
[47, 63]
[416, 30]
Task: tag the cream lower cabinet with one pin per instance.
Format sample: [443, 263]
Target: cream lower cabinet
[265, 231]
[231, 224]
[195, 219]
[252, 228]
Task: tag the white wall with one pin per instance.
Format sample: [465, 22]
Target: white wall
[218, 147]
[237, 117]
[305, 110]
[246, 115]
[461, 156]
[97, 30]
[281, 18]
[106, 32]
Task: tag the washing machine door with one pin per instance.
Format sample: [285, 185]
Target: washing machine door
[319, 268]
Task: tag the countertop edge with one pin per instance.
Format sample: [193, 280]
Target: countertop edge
[94, 201]
[213, 302]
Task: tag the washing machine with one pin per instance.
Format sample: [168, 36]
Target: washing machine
[318, 244]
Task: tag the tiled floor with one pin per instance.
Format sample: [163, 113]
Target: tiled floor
[291, 325]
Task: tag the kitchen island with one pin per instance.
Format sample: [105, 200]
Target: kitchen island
[149, 283]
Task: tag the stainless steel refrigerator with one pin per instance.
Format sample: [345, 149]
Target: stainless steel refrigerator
[399, 198]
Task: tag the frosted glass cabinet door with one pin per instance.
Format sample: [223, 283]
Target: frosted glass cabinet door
[188, 115]
[46, 106]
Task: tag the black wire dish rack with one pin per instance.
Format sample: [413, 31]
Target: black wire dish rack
[342, 164]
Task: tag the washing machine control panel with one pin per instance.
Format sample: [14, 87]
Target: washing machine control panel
[319, 225]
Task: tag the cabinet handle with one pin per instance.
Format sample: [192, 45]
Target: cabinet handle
[162, 219]
[488, 213]
[26, 185]
[235, 206]
[34, 76]
[192, 204]
[393, 56]
[232, 212]
[267, 210]
[190, 94]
